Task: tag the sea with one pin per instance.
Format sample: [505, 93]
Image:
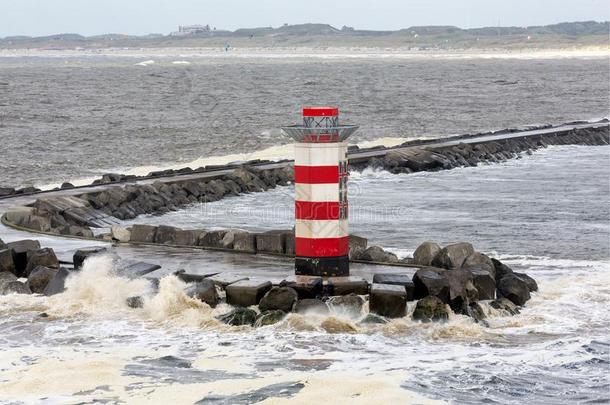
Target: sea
[72, 118]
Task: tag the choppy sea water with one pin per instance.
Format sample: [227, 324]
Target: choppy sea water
[68, 118]
[545, 214]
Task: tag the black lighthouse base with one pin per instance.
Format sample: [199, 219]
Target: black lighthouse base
[337, 266]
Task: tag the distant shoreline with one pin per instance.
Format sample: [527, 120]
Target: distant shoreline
[311, 52]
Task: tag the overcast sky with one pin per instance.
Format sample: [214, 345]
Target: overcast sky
[91, 17]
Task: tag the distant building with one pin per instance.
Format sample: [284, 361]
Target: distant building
[184, 30]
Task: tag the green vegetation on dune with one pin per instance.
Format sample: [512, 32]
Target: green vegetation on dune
[567, 35]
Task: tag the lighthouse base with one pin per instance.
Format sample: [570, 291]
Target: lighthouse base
[337, 266]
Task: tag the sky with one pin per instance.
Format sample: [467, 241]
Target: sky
[138, 17]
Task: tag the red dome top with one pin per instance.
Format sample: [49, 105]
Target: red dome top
[320, 111]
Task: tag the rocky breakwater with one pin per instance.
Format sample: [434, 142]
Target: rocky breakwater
[408, 159]
[77, 214]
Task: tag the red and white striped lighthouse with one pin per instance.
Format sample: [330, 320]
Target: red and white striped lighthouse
[321, 208]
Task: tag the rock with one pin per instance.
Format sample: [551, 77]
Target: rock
[513, 288]
[357, 245]
[335, 325]
[81, 254]
[6, 277]
[6, 261]
[135, 302]
[57, 285]
[347, 285]
[430, 281]
[137, 269]
[501, 269]
[350, 305]
[20, 253]
[143, 233]
[531, 283]
[120, 234]
[476, 312]
[75, 230]
[19, 215]
[269, 318]
[311, 305]
[244, 242]
[224, 279]
[282, 298]
[66, 185]
[238, 317]
[271, 242]
[289, 244]
[484, 283]
[204, 291]
[504, 304]
[165, 235]
[480, 261]
[430, 309]
[396, 279]
[377, 254]
[212, 239]
[247, 292]
[461, 290]
[425, 253]
[187, 237]
[38, 223]
[14, 287]
[6, 191]
[453, 256]
[40, 277]
[2, 244]
[305, 286]
[373, 319]
[388, 300]
[43, 257]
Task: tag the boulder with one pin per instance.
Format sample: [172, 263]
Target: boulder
[453, 256]
[247, 292]
[373, 319]
[244, 242]
[204, 291]
[81, 254]
[282, 298]
[357, 245]
[430, 309]
[40, 277]
[6, 277]
[350, 305]
[513, 288]
[347, 285]
[57, 285]
[480, 261]
[305, 286]
[120, 234]
[20, 250]
[18, 215]
[66, 185]
[377, 254]
[269, 318]
[143, 233]
[6, 261]
[43, 257]
[388, 300]
[506, 305]
[430, 281]
[396, 279]
[531, 283]
[501, 269]
[137, 269]
[476, 312]
[134, 302]
[6, 191]
[461, 290]
[425, 253]
[484, 283]
[239, 317]
[14, 287]
[311, 305]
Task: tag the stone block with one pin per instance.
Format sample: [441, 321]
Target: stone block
[187, 237]
[41, 257]
[396, 279]
[347, 285]
[225, 279]
[81, 254]
[21, 250]
[388, 300]
[165, 235]
[57, 285]
[245, 242]
[289, 244]
[247, 292]
[143, 233]
[138, 269]
[212, 239]
[6, 261]
[120, 234]
[305, 286]
[271, 242]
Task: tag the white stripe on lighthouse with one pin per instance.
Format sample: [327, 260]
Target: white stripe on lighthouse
[316, 192]
[319, 154]
[321, 228]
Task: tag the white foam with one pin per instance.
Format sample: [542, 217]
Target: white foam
[145, 63]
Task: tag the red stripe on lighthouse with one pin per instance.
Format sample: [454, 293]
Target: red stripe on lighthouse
[316, 174]
[319, 210]
[322, 247]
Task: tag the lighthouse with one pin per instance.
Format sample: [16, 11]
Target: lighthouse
[321, 209]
